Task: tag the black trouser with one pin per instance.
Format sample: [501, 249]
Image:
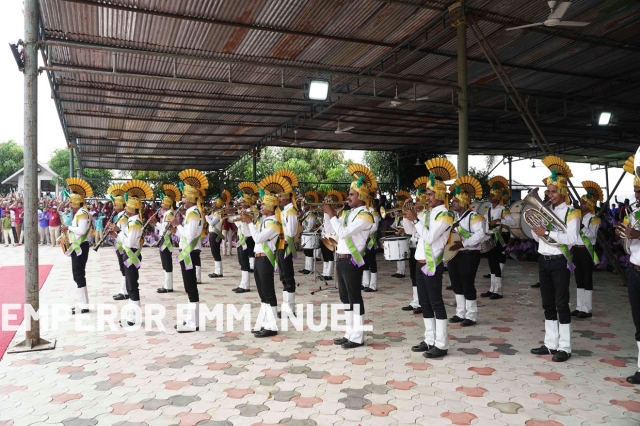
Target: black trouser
[189, 277]
[243, 258]
[250, 245]
[327, 255]
[412, 266]
[78, 265]
[462, 272]
[430, 292]
[263, 274]
[554, 288]
[120, 262]
[503, 252]
[370, 262]
[132, 274]
[215, 246]
[497, 255]
[167, 261]
[584, 268]
[285, 269]
[349, 282]
[633, 285]
[308, 252]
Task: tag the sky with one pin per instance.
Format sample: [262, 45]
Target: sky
[51, 136]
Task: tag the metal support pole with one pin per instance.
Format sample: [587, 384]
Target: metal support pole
[397, 171]
[606, 177]
[463, 107]
[71, 168]
[255, 165]
[32, 338]
[510, 180]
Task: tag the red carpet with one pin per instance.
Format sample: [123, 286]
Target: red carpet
[12, 291]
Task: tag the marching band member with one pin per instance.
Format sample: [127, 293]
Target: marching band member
[78, 232]
[215, 232]
[308, 225]
[401, 197]
[555, 263]
[266, 234]
[327, 252]
[584, 256]
[463, 267]
[132, 236]
[632, 234]
[410, 230]
[171, 193]
[370, 270]
[190, 233]
[248, 191]
[497, 218]
[120, 220]
[287, 216]
[352, 230]
[433, 228]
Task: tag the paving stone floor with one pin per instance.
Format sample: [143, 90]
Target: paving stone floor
[300, 378]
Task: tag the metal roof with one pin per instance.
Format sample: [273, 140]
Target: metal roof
[165, 85]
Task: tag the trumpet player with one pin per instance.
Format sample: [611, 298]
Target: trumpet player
[397, 225]
[410, 230]
[555, 262]
[584, 255]
[245, 242]
[119, 222]
[370, 273]
[78, 231]
[132, 256]
[308, 222]
[171, 193]
[286, 246]
[215, 237]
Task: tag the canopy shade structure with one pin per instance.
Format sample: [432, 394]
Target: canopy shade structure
[158, 85]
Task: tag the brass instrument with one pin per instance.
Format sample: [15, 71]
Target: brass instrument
[63, 241]
[621, 232]
[541, 216]
[411, 206]
[106, 232]
[168, 226]
[237, 217]
[318, 206]
[384, 212]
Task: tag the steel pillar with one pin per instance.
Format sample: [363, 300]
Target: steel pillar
[397, 171]
[510, 179]
[71, 168]
[606, 177]
[463, 99]
[255, 166]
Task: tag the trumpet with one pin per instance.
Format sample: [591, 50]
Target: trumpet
[318, 206]
[411, 206]
[384, 212]
[238, 216]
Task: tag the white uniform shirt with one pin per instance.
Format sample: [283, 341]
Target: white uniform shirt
[214, 222]
[80, 224]
[376, 220]
[498, 212]
[326, 224]
[590, 228]
[473, 223]
[122, 221]
[191, 228]
[410, 230]
[357, 229]
[633, 220]
[267, 231]
[290, 221]
[167, 217]
[308, 222]
[133, 232]
[571, 238]
[435, 232]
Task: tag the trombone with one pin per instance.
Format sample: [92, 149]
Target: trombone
[384, 212]
[236, 217]
[317, 207]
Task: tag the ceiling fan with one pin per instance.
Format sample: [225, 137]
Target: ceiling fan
[295, 140]
[342, 131]
[555, 17]
[396, 101]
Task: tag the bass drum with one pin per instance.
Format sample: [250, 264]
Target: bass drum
[479, 206]
[448, 253]
[521, 229]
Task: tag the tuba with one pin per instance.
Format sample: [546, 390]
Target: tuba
[542, 216]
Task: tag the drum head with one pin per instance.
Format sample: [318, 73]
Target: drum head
[521, 230]
[450, 254]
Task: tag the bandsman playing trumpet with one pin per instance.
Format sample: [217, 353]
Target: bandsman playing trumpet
[398, 227]
[215, 232]
[463, 267]
[308, 223]
[245, 244]
[333, 196]
[370, 273]
[78, 232]
[409, 229]
[555, 263]
[119, 222]
[170, 194]
[584, 255]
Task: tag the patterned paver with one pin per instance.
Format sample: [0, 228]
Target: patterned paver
[300, 378]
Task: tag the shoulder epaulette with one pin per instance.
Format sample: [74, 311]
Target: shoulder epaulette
[505, 212]
[595, 221]
[477, 218]
[366, 216]
[445, 217]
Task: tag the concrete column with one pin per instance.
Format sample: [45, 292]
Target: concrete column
[71, 168]
[463, 99]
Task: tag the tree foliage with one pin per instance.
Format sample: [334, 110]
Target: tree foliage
[11, 160]
[483, 178]
[59, 163]
[383, 164]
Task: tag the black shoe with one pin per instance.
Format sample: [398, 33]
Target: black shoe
[486, 294]
[163, 290]
[543, 350]
[536, 285]
[486, 276]
[635, 379]
[258, 331]
[400, 275]
[235, 290]
[340, 341]
[362, 287]
[467, 323]
[575, 313]
[318, 260]
[130, 324]
[266, 333]
[185, 331]
[435, 352]
[304, 271]
[214, 275]
[120, 296]
[449, 288]
[350, 345]
[561, 356]
[242, 290]
[420, 347]
[369, 290]
[251, 270]
[417, 311]
[495, 296]
[327, 278]
[584, 315]
[455, 319]
[407, 308]
[82, 311]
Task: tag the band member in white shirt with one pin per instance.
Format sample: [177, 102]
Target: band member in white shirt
[555, 263]
[215, 237]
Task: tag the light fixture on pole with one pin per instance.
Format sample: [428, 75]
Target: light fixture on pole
[605, 118]
[318, 89]
[533, 164]
[418, 163]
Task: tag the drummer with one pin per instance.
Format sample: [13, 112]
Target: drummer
[464, 265]
[398, 226]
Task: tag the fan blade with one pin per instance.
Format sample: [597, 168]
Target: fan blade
[525, 26]
[572, 24]
[560, 10]
[346, 129]
[342, 132]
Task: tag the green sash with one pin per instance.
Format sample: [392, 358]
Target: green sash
[563, 248]
[432, 263]
[218, 233]
[75, 243]
[132, 258]
[267, 250]
[356, 256]
[185, 254]
[589, 247]
[463, 232]
[166, 244]
[291, 247]
[242, 240]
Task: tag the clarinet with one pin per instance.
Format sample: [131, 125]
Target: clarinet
[106, 234]
[167, 228]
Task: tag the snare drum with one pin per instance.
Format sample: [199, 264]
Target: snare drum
[521, 230]
[396, 248]
[488, 244]
[310, 240]
[448, 253]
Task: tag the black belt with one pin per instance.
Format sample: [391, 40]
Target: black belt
[343, 256]
[467, 251]
[634, 266]
[552, 257]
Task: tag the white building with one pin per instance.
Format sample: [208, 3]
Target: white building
[45, 180]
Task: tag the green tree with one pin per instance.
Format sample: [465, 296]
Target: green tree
[11, 160]
[156, 179]
[483, 178]
[383, 165]
[59, 163]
